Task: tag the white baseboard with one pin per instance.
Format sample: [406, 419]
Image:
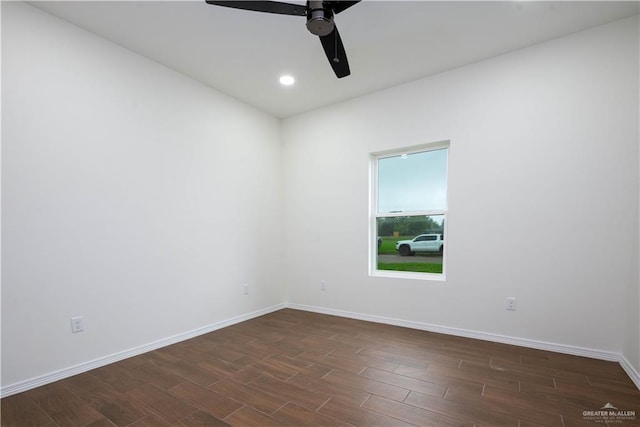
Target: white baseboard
[102, 361]
[630, 370]
[523, 342]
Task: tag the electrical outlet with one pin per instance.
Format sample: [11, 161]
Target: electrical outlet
[323, 285]
[245, 288]
[511, 303]
[77, 324]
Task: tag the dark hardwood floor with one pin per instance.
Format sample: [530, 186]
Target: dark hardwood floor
[294, 368]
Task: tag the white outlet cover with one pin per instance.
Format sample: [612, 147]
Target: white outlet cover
[77, 324]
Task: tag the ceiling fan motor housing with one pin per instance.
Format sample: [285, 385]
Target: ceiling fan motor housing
[319, 19]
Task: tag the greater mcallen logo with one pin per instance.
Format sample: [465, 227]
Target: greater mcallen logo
[609, 414]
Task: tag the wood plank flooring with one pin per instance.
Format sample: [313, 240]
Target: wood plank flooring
[294, 368]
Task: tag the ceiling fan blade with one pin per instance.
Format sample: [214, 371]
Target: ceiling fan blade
[338, 5]
[263, 6]
[333, 48]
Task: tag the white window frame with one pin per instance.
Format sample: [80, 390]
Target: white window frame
[374, 215]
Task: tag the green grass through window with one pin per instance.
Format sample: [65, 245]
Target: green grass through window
[419, 267]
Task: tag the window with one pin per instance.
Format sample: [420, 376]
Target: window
[425, 238]
[409, 212]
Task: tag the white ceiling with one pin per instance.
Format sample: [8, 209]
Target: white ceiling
[242, 53]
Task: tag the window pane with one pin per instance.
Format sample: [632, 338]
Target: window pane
[413, 182]
[411, 243]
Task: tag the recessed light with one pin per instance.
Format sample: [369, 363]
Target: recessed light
[287, 80]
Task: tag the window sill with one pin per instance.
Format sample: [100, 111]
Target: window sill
[408, 275]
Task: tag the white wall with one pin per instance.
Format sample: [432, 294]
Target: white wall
[543, 194]
[132, 196]
[632, 338]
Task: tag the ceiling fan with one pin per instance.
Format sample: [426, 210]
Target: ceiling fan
[319, 22]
